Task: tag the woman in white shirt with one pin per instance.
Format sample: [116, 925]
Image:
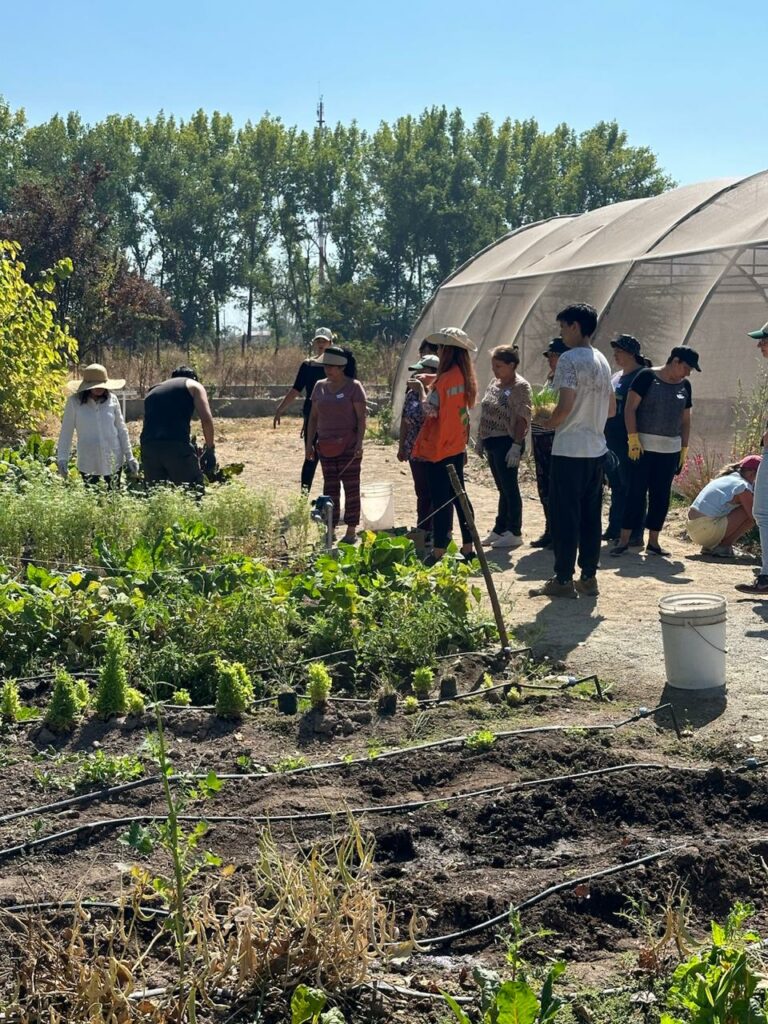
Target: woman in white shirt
[722, 511]
[94, 414]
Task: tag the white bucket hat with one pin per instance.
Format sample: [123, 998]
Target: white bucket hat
[94, 376]
[453, 336]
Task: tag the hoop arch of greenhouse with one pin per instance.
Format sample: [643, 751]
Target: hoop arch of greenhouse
[688, 267]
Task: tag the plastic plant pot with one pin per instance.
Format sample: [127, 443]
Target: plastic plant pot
[288, 702]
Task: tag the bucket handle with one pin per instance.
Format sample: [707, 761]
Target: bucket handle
[721, 650]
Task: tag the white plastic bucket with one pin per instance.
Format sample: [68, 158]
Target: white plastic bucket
[378, 506]
[693, 632]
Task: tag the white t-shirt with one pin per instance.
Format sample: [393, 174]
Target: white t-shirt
[582, 433]
[718, 498]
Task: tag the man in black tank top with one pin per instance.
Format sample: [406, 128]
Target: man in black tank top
[167, 453]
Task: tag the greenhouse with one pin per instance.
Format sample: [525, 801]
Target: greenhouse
[688, 267]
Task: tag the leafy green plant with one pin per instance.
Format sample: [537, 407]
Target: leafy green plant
[513, 1002]
[181, 697]
[106, 769]
[64, 708]
[307, 1005]
[479, 741]
[288, 764]
[422, 680]
[112, 691]
[234, 690]
[134, 701]
[410, 705]
[10, 703]
[719, 983]
[319, 684]
[82, 693]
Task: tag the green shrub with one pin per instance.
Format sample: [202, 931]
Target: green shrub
[82, 693]
[112, 691]
[10, 705]
[134, 702]
[181, 697]
[480, 741]
[234, 690]
[319, 686]
[423, 679]
[64, 708]
[410, 705]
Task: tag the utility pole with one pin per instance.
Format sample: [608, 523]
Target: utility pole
[320, 222]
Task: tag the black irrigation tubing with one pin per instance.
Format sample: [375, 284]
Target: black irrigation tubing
[101, 795]
[268, 819]
[22, 908]
[614, 869]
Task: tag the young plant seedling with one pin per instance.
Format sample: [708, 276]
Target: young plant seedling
[64, 708]
[234, 689]
[319, 686]
[422, 681]
[112, 691]
[10, 704]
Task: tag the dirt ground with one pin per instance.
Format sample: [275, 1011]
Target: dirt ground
[617, 635]
[460, 834]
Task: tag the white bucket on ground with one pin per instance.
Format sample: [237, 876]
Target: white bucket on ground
[378, 506]
[693, 632]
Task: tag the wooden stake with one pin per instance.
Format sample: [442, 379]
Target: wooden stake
[467, 509]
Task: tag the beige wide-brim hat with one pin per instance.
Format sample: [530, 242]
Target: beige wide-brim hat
[452, 336]
[94, 376]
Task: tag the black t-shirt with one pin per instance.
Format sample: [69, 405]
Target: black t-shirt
[168, 409]
[309, 374]
[615, 428]
[662, 406]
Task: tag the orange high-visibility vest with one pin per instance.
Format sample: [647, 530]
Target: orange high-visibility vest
[446, 434]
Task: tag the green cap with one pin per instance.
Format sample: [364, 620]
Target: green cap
[757, 335]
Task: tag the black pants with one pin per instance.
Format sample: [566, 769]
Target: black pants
[509, 516]
[309, 467]
[420, 475]
[575, 500]
[112, 481]
[172, 462]
[650, 478]
[441, 492]
[618, 474]
[542, 458]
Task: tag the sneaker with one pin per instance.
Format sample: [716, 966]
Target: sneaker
[588, 587]
[491, 539]
[758, 587]
[508, 540]
[720, 551]
[554, 588]
[544, 541]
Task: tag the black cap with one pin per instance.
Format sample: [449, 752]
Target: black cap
[686, 355]
[556, 347]
[627, 344]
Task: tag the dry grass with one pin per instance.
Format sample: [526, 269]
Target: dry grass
[314, 917]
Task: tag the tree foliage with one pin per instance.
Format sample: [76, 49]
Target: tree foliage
[355, 227]
[33, 347]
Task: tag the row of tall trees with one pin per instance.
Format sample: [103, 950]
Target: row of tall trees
[171, 221]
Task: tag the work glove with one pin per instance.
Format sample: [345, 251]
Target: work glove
[63, 467]
[683, 459]
[634, 448]
[133, 467]
[513, 455]
[208, 462]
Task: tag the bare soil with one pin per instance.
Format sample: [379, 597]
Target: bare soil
[460, 862]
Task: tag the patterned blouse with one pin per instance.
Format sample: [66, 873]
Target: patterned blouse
[413, 414]
[502, 406]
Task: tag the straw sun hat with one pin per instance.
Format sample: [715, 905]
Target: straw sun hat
[94, 376]
[453, 336]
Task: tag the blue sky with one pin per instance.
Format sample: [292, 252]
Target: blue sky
[684, 78]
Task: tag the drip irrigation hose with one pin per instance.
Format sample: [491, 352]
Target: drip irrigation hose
[268, 819]
[614, 869]
[101, 795]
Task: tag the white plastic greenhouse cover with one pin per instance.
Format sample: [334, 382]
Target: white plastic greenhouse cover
[688, 267]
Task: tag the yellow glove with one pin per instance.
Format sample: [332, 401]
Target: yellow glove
[683, 459]
[634, 448]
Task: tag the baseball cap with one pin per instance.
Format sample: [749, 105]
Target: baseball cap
[323, 332]
[759, 335]
[627, 344]
[751, 462]
[556, 347]
[686, 355]
[427, 364]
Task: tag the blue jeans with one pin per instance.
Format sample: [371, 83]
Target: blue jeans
[760, 509]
